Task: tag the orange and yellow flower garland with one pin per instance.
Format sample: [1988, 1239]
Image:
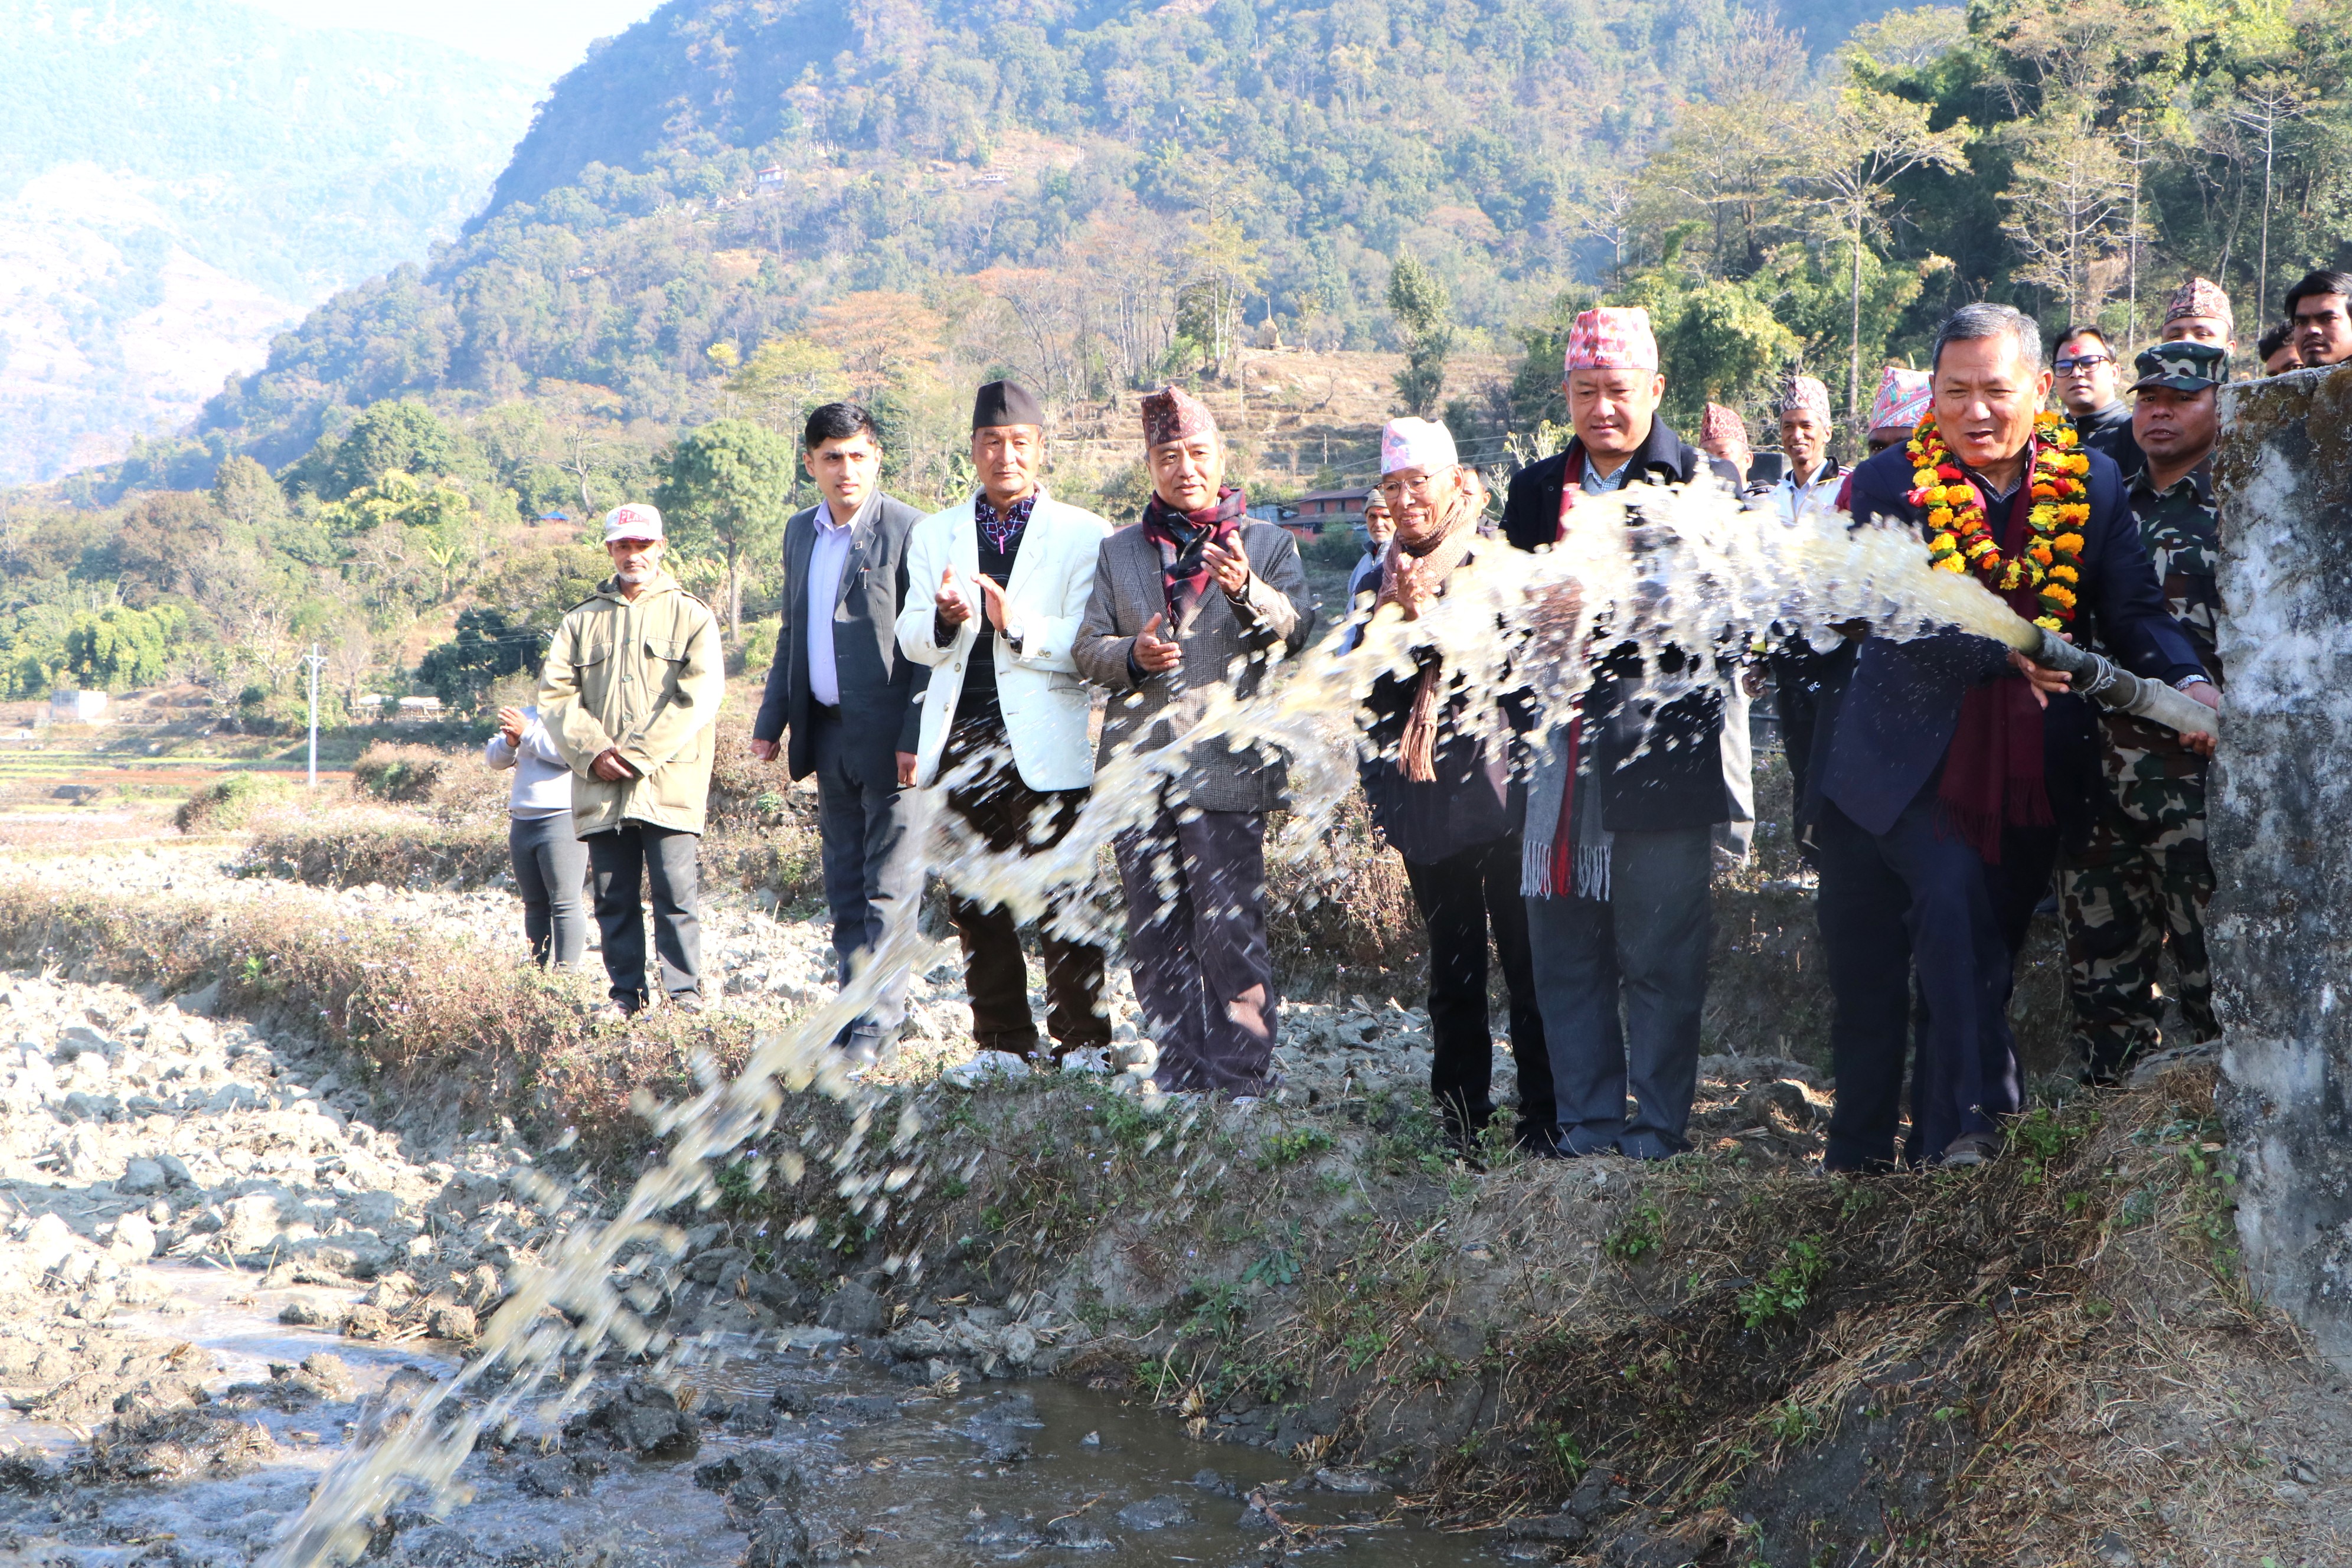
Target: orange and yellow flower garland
[1960, 537]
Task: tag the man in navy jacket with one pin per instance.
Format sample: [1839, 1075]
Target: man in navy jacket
[1919, 875]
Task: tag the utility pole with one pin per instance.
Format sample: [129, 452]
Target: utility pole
[315, 660]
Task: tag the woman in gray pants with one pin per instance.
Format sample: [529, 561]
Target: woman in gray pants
[551, 863]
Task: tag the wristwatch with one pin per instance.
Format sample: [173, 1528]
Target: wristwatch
[2186, 681]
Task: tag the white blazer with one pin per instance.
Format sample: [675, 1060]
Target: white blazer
[1045, 702]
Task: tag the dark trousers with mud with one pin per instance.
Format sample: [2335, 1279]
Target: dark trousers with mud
[625, 864]
[1196, 944]
[1462, 899]
[1007, 816]
[1918, 902]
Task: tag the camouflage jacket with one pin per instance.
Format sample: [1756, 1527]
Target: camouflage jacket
[2177, 524]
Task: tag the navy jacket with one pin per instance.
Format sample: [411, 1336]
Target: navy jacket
[1889, 708]
[1678, 780]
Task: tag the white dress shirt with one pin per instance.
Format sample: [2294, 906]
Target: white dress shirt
[827, 554]
[1792, 495]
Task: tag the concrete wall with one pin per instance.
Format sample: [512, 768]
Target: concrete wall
[2282, 833]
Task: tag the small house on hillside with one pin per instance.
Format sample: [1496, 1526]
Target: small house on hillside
[69, 707]
[771, 176]
[1327, 508]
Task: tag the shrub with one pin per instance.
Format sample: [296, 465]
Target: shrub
[224, 806]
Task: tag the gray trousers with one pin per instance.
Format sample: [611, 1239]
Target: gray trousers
[1647, 945]
[861, 821]
[1197, 947]
[627, 862]
[550, 870]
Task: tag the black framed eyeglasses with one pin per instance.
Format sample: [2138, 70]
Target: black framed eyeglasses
[2081, 362]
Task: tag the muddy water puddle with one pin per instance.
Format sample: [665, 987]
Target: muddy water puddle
[1034, 1471]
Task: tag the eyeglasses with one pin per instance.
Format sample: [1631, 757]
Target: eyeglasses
[1397, 487]
[2071, 362]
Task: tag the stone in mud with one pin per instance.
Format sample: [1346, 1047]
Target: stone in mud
[855, 1309]
[1215, 1484]
[1596, 1496]
[169, 1444]
[1563, 1528]
[366, 1322]
[1353, 1482]
[448, 1320]
[1154, 1513]
[1000, 1529]
[303, 1314]
[559, 1476]
[643, 1418]
[1077, 1535]
[753, 1479]
[140, 1178]
[176, 1171]
[325, 1372]
[779, 1540]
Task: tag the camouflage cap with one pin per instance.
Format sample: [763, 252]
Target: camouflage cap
[2184, 366]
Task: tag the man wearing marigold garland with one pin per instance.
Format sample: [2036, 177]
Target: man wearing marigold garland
[2141, 883]
[1945, 767]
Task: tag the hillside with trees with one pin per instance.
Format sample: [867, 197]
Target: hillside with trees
[737, 209]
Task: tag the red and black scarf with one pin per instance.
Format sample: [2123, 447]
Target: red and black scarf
[1182, 537]
[1993, 775]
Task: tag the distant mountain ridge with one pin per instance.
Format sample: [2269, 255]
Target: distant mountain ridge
[181, 177]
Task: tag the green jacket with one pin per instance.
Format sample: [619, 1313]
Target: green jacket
[646, 675]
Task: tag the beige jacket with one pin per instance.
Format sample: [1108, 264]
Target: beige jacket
[645, 676]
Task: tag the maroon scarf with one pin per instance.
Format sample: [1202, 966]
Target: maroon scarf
[1993, 773]
[1184, 569]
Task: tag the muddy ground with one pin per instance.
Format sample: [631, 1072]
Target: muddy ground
[246, 1235]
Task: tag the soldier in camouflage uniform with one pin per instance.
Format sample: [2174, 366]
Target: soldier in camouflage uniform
[2141, 883]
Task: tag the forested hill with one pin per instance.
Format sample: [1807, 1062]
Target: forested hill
[1288, 87]
[1276, 156]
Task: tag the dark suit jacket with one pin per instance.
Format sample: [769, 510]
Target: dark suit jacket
[1889, 708]
[1678, 781]
[881, 691]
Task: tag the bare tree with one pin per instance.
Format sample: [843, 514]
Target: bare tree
[2071, 191]
[2260, 108]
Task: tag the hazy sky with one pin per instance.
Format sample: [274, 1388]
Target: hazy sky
[548, 36]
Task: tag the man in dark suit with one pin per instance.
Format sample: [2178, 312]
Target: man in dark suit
[1191, 598]
[842, 702]
[1946, 769]
[1622, 803]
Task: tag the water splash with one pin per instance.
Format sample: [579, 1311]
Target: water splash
[1682, 568]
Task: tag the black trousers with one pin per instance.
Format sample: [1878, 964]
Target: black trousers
[1917, 905]
[1007, 816]
[1462, 899]
[624, 865]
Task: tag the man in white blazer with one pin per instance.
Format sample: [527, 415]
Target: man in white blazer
[996, 588]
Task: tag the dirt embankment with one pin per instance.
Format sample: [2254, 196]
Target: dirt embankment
[1725, 1360]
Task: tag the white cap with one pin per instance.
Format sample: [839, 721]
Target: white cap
[1422, 444]
[631, 519]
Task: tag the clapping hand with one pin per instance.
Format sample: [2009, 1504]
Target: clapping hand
[995, 597]
[1156, 655]
[1232, 568]
[510, 723]
[1413, 593]
[953, 609]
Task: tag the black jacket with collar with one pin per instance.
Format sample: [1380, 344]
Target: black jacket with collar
[1676, 780]
[881, 692]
